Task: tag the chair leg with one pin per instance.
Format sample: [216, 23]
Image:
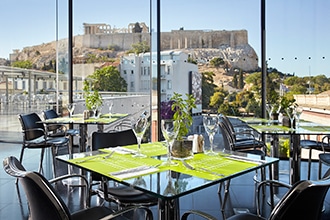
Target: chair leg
[40, 169]
[320, 170]
[21, 155]
[327, 174]
[309, 164]
[225, 195]
[54, 149]
[20, 159]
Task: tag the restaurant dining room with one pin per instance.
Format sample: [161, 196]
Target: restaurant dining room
[165, 110]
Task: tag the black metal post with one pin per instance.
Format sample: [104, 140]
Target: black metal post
[70, 68]
[263, 59]
[158, 71]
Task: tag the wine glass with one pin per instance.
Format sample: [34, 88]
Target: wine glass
[170, 130]
[170, 189]
[70, 107]
[110, 108]
[139, 181]
[139, 126]
[269, 109]
[94, 109]
[298, 111]
[211, 127]
[290, 112]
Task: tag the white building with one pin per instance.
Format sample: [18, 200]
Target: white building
[177, 75]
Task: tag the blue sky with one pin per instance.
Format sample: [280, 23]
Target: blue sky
[297, 31]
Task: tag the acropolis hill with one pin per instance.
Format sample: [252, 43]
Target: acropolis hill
[202, 45]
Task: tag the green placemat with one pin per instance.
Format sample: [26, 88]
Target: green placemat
[270, 128]
[104, 119]
[78, 118]
[316, 128]
[151, 149]
[114, 115]
[117, 162]
[217, 164]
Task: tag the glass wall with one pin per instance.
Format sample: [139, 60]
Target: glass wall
[297, 33]
[296, 41]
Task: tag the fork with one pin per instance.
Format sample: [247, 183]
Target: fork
[201, 168]
[92, 158]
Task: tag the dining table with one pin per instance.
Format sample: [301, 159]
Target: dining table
[275, 130]
[168, 183]
[78, 119]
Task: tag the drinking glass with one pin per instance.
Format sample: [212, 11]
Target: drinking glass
[110, 109]
[211, 127]
[170, 189]
[298, 110]
[139, 126]
[70, 107]
[269, 108]
[290, 112]
[170, 131]
[94, 109]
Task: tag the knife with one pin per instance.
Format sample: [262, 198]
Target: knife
[132, 170]
[234, 157]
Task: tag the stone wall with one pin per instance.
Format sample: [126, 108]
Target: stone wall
[180, 39]
[317, 101]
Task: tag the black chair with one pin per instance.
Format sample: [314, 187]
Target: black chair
[58, 130]
[250, 145]
[304, 200]
[247, 146]
[120, 194]
[324, 158]
[239, 132]
[35, 136]
[312, 145]
[45, 203]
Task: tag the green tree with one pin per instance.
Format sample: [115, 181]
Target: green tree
[191, 60]
[235, 81]
[217, 62]
[228, 108]
[240, 84]
[208, 87]
[108, 79]
[218, 98]
[254, 107]
[242, 98]
[25, 64]
[140, 47]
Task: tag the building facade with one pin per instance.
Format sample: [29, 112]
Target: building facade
[176, 73]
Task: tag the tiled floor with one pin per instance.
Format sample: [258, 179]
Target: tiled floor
[13, 204]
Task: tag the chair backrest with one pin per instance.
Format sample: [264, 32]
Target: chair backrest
[43, 201]
[50, 114]
[325, 144]
[30, 127]
[113, 139]
[227, 138]
[304, 200]
[228, 124]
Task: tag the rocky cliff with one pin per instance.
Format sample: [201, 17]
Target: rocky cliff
[232, 46]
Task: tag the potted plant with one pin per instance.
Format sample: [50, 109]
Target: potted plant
[93, 99]
[179, 109]
[287, 104]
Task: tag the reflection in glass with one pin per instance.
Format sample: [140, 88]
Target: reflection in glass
[139, 126]
[170, 132]
[211, 127]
